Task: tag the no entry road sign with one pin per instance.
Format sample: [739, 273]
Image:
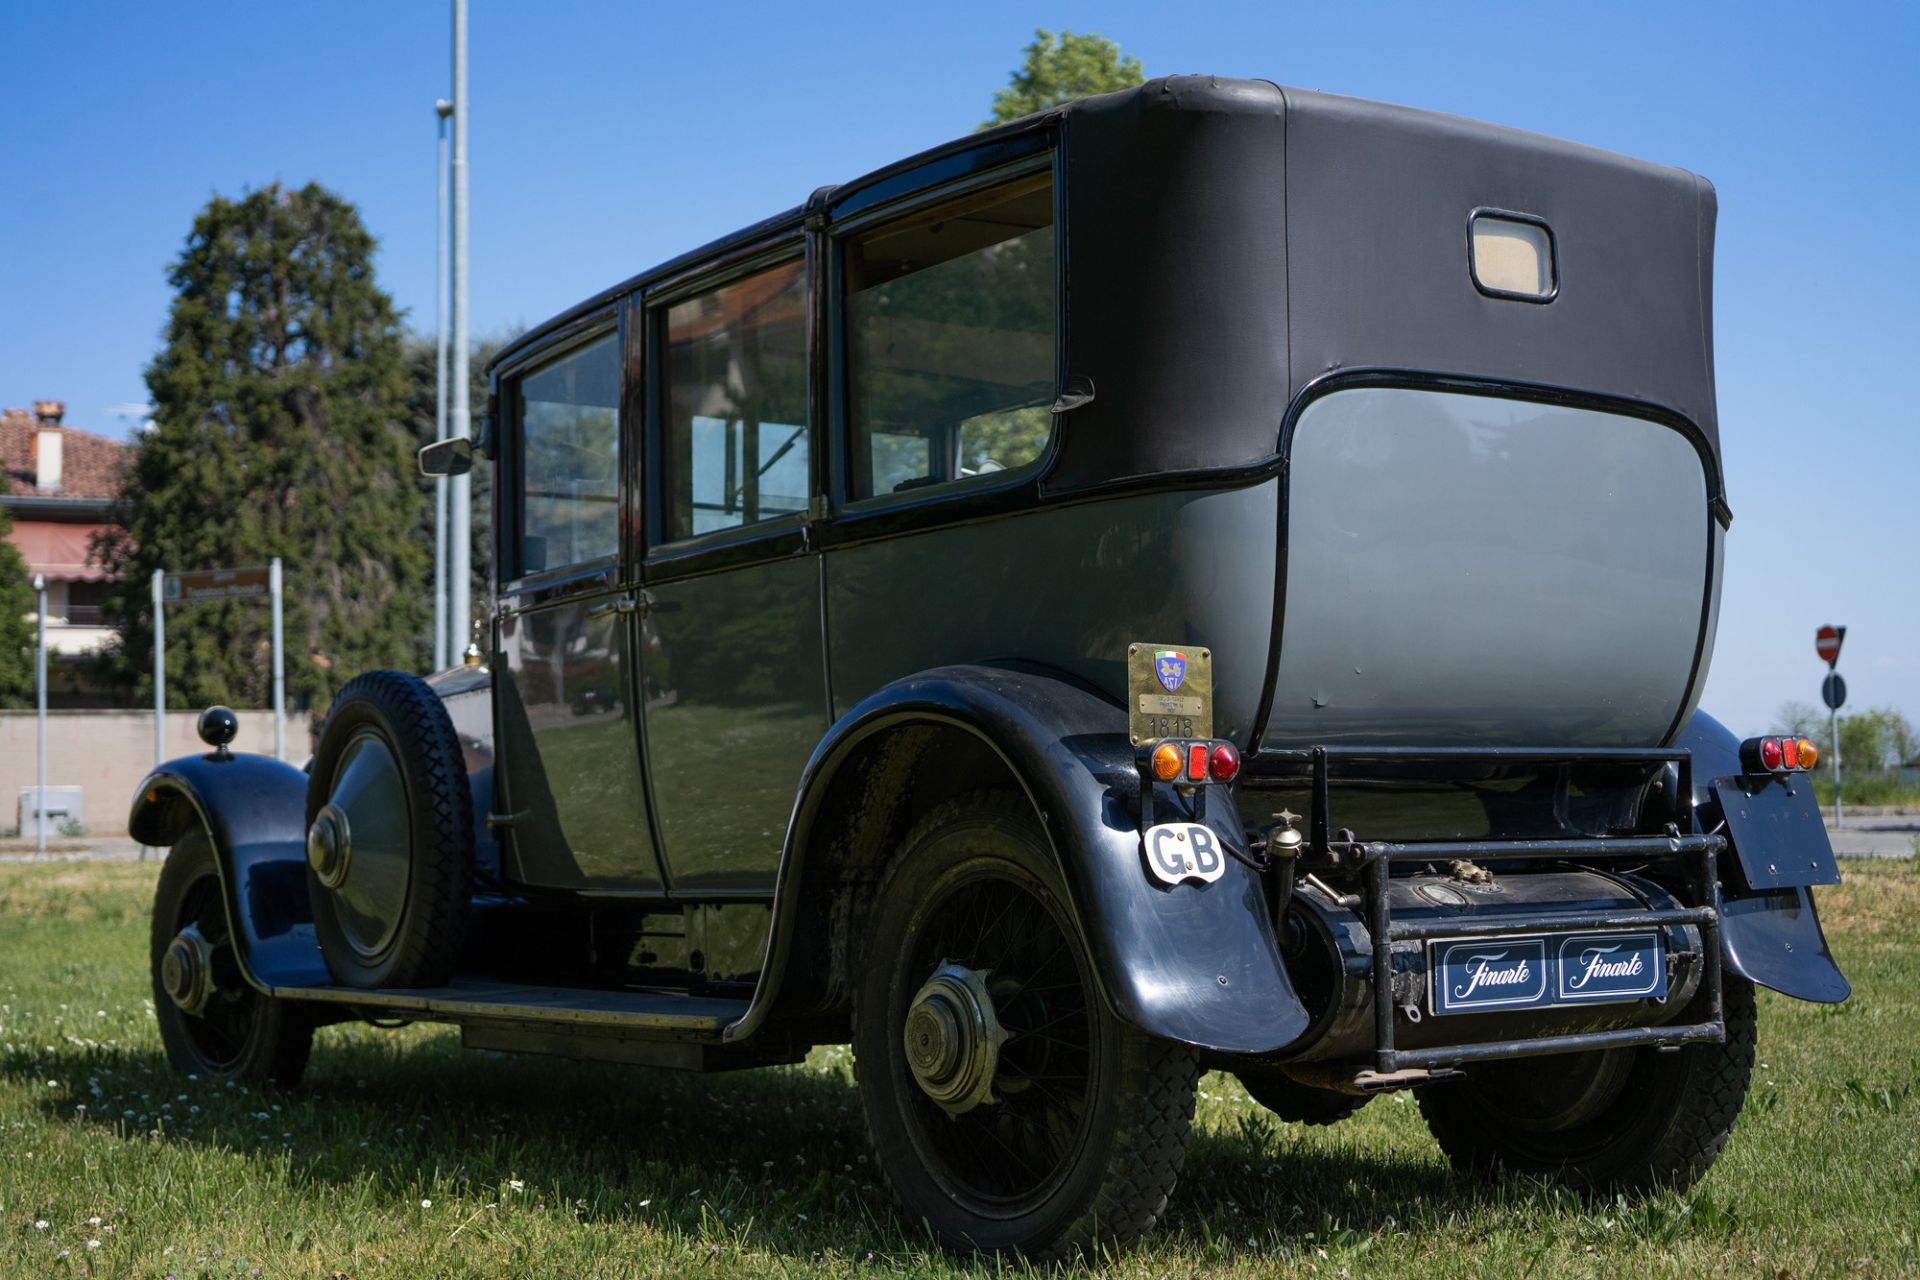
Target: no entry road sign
[1826, 642]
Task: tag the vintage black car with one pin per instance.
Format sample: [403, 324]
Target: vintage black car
[1209, 576]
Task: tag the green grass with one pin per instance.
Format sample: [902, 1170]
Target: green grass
[403, 1155]
[1863, 788]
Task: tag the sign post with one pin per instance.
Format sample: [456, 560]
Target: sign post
[279, 670]
[203, 586]
[1833, 692]
[159, 670]
[40, 680]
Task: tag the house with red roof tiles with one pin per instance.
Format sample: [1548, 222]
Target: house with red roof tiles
[61, 484]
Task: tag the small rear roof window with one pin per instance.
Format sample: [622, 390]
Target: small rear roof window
[1511, 256]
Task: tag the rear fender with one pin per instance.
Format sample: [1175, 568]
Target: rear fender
[254, 809]
[1770, 935]
[1196, 964]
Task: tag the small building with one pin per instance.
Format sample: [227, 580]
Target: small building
[61, 485]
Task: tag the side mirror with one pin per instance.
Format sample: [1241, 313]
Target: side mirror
[450, 457]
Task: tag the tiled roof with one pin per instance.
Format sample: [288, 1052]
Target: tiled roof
[90, 465]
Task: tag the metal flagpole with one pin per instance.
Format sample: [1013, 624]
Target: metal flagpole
[279, 666]
[441, 109]
[40, 678]
[159, 670]
[459, 490]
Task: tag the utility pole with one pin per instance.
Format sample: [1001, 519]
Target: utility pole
[460, 491]
[441, 109]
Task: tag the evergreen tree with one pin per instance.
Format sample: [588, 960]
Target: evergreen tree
[16, 633]
[1060, 67]
[280, 412]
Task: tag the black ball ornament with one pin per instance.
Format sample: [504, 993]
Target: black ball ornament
[218, 726]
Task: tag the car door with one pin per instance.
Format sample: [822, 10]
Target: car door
[734, 666]
[566, 663]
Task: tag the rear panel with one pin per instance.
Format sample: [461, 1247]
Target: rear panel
[1471, 570]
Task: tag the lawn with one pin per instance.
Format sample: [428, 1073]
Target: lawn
[403, 1155]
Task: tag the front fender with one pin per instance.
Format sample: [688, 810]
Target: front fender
[1770, 936]
[254, 810]
[1196, 964]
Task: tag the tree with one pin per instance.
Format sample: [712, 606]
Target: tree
[280, 412]
[1880, 738]
[1059, 67]
[1801, 720]
[16, 633]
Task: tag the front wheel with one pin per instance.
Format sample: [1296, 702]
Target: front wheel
[212, 1022]
[1010, 1111]
[1615, 1120]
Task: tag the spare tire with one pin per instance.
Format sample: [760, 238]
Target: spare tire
[389, 835]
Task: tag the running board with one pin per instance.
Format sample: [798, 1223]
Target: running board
[653, 1015]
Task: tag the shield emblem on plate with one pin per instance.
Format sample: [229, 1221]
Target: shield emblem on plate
[1171, 666]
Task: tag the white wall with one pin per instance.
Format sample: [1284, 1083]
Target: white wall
[108, 752]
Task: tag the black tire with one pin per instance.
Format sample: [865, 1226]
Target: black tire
[239, 1033]
[1298, 1103]
[1622, 1120]
[389, 756]
[1047, 1170]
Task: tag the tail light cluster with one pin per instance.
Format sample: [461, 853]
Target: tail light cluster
[1189, 760]
[1778, 755]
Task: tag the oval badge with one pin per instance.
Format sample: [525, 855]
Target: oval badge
[1178, 851]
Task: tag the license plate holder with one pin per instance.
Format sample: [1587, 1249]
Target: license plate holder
[1545, 970]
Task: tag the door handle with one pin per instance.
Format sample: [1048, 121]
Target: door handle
[606, 608]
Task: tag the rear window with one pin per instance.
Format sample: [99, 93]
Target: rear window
[950, 338]
[735, 445]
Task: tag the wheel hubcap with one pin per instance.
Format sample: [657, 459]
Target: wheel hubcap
[953, 1039]
[360, 844]
[330, 846]
[186, 970]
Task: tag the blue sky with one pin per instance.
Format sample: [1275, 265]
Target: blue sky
[609, 136]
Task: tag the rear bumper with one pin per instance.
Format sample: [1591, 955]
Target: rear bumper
[1622, 818]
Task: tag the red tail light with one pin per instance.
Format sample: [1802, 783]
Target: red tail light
[1778, 755]
[1197, 761]
[1224, 762]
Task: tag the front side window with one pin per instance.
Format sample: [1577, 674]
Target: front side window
[951, 317]
[570, 459]
[735, 445]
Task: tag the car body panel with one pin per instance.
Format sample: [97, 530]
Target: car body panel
[1193, 963]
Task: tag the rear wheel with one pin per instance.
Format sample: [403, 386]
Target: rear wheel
[1010, 1111]
[389, 835]
[212, 1023]
[1616, 1120]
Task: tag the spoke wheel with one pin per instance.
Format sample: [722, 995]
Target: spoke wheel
[1010, 1111]
[1009, 1143]
[212, 1022]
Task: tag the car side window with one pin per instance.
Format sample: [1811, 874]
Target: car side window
[570, 459]
[734, 449]
[951, 316]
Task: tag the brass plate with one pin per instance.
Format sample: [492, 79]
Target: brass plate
[1153, 710]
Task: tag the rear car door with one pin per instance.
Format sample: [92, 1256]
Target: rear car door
[735, 670]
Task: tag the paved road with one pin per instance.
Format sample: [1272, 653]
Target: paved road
[1888, 836]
